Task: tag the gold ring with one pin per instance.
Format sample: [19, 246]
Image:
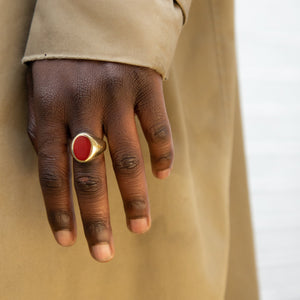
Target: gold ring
[86, 147]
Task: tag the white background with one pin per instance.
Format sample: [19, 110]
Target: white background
[268, 45]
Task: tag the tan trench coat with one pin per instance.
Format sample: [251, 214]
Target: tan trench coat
[200, 244]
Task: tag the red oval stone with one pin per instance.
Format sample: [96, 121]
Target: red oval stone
[82, 148]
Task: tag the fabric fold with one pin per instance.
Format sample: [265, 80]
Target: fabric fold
[136, 32]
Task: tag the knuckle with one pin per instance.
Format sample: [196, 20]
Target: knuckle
[112, 80]
[87, 183]
[60, 219]
[126, 163]
[144, 90]
[97, 230]
[44, 92]
[82, 90]
[165, 158]
[136, 206]
[48, 102]
[94, 227]
[45, 95]
[51, 180]
[159, 134]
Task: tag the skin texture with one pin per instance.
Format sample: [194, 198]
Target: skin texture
[67, 97]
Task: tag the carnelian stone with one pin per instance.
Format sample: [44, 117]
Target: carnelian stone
[82, 148]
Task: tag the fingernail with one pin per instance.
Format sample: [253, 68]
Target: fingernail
[102, 252]
[64, 237]
[139, 225]
[163, 174]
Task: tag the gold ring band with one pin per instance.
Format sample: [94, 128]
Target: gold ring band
[85, 147]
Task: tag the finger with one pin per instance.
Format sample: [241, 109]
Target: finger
[91, 189]
[151, 111]
[55, 180]
[129, 169]
[31, 127]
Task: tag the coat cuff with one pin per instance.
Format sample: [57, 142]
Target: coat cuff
[137, 32]
[185, 7]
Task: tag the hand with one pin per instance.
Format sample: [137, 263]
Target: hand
[67, 97]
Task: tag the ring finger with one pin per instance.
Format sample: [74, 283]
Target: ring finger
[91, 189]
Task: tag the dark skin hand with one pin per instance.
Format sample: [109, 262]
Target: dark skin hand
[67, 97]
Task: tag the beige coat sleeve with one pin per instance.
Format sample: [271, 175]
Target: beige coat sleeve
[137, 32]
